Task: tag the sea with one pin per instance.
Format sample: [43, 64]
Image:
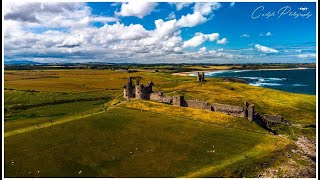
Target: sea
[299, 80]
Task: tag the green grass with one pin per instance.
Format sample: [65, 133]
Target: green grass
[44, 114]
[14, 98]
[161, 146]
[194, 114]
[297, 108]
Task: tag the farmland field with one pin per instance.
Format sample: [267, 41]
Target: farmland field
[76, 123]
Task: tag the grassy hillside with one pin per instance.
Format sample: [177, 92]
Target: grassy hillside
[130, 143]
[62, 122]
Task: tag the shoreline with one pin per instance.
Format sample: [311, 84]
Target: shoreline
[188, 73]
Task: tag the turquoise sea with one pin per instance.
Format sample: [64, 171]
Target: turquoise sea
[291, 80]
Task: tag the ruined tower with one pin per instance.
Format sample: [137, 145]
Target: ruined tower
[138, 91]
[143, 92]
[128, 89]
[200, 76]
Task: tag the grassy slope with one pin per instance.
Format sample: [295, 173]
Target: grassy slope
[162, 146]
[89, 143]
[298, 108]
[44, 114]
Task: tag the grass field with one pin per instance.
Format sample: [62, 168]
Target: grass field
[75, 123]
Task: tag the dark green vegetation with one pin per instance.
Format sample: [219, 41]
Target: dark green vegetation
[75, 123]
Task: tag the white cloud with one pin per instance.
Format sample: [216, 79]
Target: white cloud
[200, 38]
[212, 37]
[172, 15]
[195, 41]
[164, 28]
[52, 15]
[206, 8]
[181, 5]
[307, 56]
[198, 17]
[265, 49]
[103, 19]
[269, 34]
[191, 20]
[138, 9]
[72, 41]
[222, 41]
[202, 50]
[245, 35]
[68, 36]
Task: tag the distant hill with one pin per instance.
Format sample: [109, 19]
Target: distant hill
[20, 62]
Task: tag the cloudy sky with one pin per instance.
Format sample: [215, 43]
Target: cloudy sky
[150, 32]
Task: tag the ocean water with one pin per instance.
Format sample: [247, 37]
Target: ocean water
[292, 80]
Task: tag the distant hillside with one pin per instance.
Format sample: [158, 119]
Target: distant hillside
[20, 62]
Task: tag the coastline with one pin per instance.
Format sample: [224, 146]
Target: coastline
[190, 73]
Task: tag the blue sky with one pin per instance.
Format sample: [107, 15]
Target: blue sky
[161, 32]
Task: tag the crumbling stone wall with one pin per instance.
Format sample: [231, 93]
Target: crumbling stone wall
[159, 97]
[178, 101]
[140, 91]
[273, 120]
[229, 109]
[198, 104]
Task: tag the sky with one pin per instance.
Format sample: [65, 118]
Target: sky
[154, 32]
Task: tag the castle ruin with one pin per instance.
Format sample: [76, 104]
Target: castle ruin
[200, 76]
[138, 91]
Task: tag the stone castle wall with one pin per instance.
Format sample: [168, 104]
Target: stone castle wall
[273, 120]
[223, 108]
[229, 109]
[159, 97]
[178, 101]
[139, 91]
[198, 104]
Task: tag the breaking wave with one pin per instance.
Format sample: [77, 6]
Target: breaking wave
[264, 84]
[299, 85]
